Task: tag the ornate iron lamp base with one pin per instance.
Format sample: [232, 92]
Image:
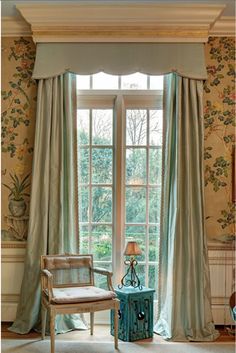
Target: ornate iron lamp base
[134, 281]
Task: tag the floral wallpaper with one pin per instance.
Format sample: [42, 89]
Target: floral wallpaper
[219, 119]
[17, 134]
[18, 124]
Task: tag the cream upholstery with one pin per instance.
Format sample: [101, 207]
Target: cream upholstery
[66, 262]
[81, 294]
[67, 283]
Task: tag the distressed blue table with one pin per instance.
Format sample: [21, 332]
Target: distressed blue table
[136, 313]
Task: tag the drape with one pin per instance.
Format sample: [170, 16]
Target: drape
[184, 311]
[186, 59]
[52, 226]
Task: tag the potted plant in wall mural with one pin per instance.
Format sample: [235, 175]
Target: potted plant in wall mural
[17, 220]
[17, 204]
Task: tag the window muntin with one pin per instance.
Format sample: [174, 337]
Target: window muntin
[108, 119]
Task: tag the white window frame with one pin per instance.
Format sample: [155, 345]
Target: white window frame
[119, 100]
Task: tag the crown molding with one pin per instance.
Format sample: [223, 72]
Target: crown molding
[119, 22]
[14, 27]
[225, 26]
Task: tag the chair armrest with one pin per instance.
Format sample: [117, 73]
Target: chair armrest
[102, 271]
[47, 282]
[106, 273]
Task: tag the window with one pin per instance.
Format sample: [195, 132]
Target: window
[119, 136]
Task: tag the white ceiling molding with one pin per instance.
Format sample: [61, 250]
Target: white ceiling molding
[14, 27]
[119, 23]
[225, 26]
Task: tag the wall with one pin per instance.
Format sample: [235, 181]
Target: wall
[219, 117]
[18, 123]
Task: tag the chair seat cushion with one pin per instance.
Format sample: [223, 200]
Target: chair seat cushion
[80, 294]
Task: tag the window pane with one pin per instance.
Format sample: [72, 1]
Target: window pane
[102, 126]
[153, 242]
[156, 82]
[83, 169]
[102, 165]
[140, 270]
[154, 205]
[101, 204]
[134, 81]
[82, 81]
[137, 233]
[152, 276]
[155, 165]
[83, 204]
[83, 126]
[84, 239]
[105, 81]
[135, 204]
[136, 127]
[136, 166]
[102, 242]
[155, 134]
[100, 280]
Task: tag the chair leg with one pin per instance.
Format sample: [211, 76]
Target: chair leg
[43, 321]
[52, 330]
[91, 323]
[116, 327]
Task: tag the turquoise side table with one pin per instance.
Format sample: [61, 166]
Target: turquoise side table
[135, 314]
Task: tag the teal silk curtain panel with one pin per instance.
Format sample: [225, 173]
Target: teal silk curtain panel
[52, 223]
[184, 309]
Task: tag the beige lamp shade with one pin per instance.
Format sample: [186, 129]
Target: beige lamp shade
[132, 248]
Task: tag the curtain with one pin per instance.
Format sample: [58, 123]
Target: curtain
[52, 226]
[184, 308]
[186, 59]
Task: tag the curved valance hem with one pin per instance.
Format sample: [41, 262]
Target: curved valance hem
[185, 59]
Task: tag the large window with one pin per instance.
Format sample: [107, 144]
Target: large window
[119, 136]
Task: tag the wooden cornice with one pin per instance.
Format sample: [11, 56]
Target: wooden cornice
[14, 27]
[224, 27]
[118, 22]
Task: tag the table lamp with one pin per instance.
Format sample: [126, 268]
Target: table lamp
[130, 278]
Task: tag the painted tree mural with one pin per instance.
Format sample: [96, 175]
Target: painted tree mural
[17, 134]
[219, 118]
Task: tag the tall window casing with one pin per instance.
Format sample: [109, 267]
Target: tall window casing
[119, 143]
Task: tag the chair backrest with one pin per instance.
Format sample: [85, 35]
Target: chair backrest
[69, 270]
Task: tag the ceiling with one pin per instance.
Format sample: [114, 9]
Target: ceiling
[8, 6]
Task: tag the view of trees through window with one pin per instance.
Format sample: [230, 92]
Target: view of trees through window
[135, 182]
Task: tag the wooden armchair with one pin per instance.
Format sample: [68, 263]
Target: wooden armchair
[67, 283]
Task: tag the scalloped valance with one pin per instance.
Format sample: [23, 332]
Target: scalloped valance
[186, 59]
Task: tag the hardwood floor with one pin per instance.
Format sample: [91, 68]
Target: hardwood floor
[103, 329]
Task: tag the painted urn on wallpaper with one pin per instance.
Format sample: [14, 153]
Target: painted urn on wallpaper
[17, 187]
[16, 220]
